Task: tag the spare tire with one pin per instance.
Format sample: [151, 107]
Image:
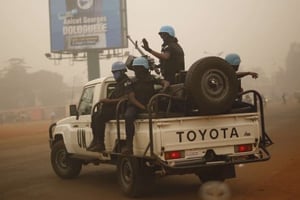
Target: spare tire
[211, 85]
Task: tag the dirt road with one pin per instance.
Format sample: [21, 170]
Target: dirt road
[26, 173]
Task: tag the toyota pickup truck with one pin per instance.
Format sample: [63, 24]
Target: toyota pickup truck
[198, 130]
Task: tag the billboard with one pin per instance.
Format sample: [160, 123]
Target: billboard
[81, 25]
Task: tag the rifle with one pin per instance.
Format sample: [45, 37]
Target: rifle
[150, 60]
[136, 46]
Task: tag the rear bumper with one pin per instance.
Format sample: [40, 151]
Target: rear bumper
[263, 155]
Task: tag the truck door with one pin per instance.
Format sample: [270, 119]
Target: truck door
[81, 128]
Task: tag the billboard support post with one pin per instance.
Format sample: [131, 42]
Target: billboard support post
[93, 64]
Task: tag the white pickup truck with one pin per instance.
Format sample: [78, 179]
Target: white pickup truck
[196, 131]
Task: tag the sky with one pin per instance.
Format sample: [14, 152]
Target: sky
[261, 31]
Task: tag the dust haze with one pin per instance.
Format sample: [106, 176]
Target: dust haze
[266, 34]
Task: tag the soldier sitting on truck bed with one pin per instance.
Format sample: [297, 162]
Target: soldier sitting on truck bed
[107, 111]
[234, 60]
[141, 91]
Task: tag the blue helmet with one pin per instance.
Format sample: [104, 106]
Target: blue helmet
[141, 61]
[167, 29]
[233, 59]
[117, 66]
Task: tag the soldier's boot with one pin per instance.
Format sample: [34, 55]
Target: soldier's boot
[99, 146]
[128, 148]
[93, 143]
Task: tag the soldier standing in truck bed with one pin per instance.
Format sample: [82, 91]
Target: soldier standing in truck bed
[172, 55]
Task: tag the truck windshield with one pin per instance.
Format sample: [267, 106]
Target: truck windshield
[86, 101]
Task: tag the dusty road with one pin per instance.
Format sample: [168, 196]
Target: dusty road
[26, 173]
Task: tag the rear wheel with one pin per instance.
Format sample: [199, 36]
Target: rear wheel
[212, 85]
[64, 166]
[134, 176]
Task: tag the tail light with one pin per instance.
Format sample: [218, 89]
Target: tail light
[243, 148]
[174, 155]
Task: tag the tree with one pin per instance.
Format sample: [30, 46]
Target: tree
[292, 80]
[15, 91]
[20, 89]
[49, 88]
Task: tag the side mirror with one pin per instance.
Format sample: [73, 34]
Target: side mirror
[73, 110]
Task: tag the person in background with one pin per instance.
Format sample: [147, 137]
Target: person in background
[108, 107]
[171, 56]
[283, 98]
[52, 116]
[140, 93]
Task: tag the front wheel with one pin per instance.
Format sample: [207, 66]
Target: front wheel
[64, 166]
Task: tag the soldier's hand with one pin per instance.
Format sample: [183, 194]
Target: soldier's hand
[146, 45]
[157, 71]
[254, 75]
[104, 100]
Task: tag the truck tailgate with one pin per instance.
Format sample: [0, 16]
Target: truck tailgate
[219, 133]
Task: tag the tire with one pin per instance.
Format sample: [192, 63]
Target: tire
[64, 166]
[211, 85]
[133, 176]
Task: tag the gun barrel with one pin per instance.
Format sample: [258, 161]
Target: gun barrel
[136, 46]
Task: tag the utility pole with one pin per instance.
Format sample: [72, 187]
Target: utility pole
[93, 64]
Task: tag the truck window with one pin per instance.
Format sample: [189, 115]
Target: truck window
[86, 101]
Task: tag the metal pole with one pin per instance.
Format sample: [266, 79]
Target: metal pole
[93, 64]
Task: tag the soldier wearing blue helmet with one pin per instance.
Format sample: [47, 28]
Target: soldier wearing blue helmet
[107, 106]
[141, 90]
[234, 60]
[171, 56]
